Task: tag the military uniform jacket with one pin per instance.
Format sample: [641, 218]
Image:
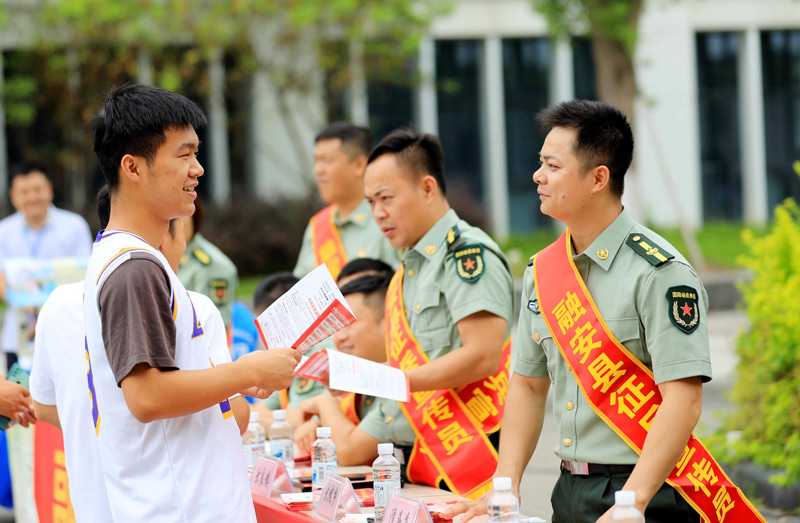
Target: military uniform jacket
[438, 292]
[655, 305]
[206, 270]
[361, 238]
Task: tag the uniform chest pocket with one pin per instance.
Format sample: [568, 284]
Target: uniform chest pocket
[628, 331]
[432, 321]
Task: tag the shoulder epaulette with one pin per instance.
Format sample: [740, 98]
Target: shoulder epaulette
[201, 256]
[644, 247]
[452, 235]
[530, 261]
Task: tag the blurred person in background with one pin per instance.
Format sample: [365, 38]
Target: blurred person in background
[206, 269]
[37, 230]
[343, 230]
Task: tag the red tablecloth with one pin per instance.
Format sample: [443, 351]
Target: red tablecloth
[269, 511]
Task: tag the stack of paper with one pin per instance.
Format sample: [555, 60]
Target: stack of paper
[366, 497]
[297, 502]
[310, 312]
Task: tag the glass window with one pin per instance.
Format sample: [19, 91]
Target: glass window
[583, 69]
[718, 107]
[458, 67]
[526, 76]
[780, 59]
[390, 95]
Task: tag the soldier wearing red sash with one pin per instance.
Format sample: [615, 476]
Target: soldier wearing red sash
[615, 319]
[342, 231]
[448, 318]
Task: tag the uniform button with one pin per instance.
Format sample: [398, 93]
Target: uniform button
[570, 405]
[388, 419]
[418, 306]
[368, 402]
[569, 367]
[536, 336]
[567, 442]
[411, 272]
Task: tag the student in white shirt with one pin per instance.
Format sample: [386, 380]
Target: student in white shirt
[168, 447]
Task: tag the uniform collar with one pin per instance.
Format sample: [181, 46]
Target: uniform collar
[436, 237]
[360, 215]
[605, 247]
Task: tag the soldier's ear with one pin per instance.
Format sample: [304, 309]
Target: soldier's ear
[360, 164]
[601, 178]
[430, 187]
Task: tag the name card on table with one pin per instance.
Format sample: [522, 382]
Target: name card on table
[270, 475]
[401, 509]
[338, 491]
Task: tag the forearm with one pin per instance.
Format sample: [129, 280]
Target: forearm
[241, 412]
[520, 434]
[152, 394]
[672, 426]
[482, 336]
[47, 413]
[455, 369]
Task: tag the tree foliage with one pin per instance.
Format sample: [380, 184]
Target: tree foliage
[74, 50]
[612, 27]
[767, 389]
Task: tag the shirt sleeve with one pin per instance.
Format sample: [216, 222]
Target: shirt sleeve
[530, 358]
[43, 388]
[305, 260]
[675, 354]
[136, 316]
[83, 239]
[491, 293]
[373, 423]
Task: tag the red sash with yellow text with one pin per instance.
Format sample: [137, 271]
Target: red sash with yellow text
[622, 390]
[325, 241]
[451, 426]
[348, 405]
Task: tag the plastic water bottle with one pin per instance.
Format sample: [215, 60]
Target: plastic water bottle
[323, 461]
[625, 510]
[386, 478]
[503, 506]
[281, 442]
[253, 441]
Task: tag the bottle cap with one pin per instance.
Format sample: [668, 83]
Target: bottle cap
[625, 497]
[502, 483]
[279, 415]
[323, 432]
[385, 448]
[254, 417]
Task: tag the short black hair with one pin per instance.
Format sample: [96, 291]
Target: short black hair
[103, 206]
[374, 290]
[271, 288]
[372, 265]
[133, 120]
[356, 140]
[24, 168]
[420, 152]
[603, 136]
[104, 209]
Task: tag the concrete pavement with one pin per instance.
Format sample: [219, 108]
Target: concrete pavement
[542, 471]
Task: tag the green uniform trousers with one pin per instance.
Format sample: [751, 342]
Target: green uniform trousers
[583, 499]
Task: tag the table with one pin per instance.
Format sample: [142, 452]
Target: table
[272, 510]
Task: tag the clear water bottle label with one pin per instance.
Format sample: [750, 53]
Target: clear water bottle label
[321, 471]
[381, 489]
[280, 448]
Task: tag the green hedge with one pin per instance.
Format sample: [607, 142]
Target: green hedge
[766, 396]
